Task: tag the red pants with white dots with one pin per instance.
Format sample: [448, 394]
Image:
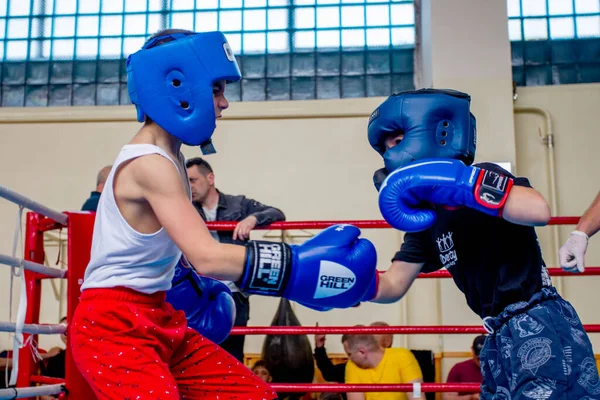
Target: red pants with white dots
[129, 345]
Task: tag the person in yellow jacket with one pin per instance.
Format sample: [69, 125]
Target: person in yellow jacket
[371, 363]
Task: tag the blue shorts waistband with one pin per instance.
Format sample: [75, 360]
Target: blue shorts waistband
[493, 324]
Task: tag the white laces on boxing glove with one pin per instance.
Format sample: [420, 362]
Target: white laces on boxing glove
[572, 254]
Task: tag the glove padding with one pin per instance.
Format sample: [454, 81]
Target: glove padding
[572, 254]
[407, 194]
[207, 303]
[334, 269]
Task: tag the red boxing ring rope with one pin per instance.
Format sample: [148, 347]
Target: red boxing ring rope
[364, 224]
[590, 271]
[382, 387]
[340, 330]
[334, 387]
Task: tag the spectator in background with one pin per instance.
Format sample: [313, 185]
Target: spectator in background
[370, 363]
[91, 204]
[216, 206]
[468, 371]
[53, 362]
[387, 339]
[336, 373]
[331, 396]
[5, 364]
[331, 372]
[262, 370]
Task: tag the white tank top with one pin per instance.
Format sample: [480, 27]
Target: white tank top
[120, 255]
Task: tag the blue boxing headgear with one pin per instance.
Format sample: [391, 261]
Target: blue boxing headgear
[172, 83]
[436, 124]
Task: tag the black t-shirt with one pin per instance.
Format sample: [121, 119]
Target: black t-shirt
[492, 261]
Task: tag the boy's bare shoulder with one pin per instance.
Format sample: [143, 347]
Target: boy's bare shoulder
[153, 173]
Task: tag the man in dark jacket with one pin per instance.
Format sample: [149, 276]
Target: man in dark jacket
[91, 204]
[216, 206]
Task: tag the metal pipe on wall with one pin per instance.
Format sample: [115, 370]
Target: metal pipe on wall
[548, 140]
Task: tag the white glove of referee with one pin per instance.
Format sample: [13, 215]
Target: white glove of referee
[572, 253]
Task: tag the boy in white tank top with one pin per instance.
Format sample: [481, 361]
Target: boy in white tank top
[148, 179]
[126, 341]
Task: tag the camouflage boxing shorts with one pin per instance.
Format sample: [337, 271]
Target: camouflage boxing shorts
[538, 350]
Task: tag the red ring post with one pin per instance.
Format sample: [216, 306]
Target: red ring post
[81, 226]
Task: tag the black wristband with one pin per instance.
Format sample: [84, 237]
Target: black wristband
[268, 268]
[492, 189]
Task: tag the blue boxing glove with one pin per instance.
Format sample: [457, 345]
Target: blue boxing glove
[406, 195]
[206, 302]
[334, 269]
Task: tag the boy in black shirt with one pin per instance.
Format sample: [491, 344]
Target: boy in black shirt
[478, 223]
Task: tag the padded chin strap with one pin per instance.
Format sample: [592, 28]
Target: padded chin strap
[207, 148]
[379, 176]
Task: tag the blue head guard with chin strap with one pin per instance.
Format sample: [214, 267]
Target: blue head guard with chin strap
[436, 123]
[172, 83]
